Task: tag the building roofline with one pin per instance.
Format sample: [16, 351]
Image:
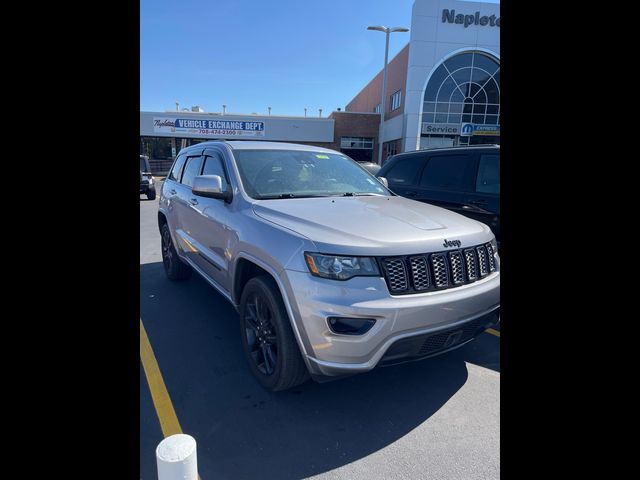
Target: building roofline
[457, 147]
[359, 113]
[244, 115]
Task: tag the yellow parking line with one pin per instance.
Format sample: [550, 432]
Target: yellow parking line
[493, 332]
[161, 400]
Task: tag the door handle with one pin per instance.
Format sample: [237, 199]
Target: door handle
[193, 201]
[478, 202]
[172, 191]
[412, 194]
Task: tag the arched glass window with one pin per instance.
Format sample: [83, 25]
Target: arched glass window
[464, 88]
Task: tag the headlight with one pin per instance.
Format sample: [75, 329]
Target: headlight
[339, 267]
[150, 180]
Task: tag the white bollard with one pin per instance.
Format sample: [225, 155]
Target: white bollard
[177, 458]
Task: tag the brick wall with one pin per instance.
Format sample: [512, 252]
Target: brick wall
[369, 97]
[349, 124]
[355, 125]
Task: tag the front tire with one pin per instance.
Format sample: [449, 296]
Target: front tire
[151, 194]
[175, 268]
[267, 338]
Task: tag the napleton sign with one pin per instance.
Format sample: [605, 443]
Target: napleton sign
[450, 16]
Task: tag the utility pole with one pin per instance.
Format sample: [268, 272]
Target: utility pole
[387, 31]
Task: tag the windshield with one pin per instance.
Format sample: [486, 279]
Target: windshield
[269, 174]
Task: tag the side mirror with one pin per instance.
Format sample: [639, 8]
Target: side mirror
[211, 186]
[384, 181]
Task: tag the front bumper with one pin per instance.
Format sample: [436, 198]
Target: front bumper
[145, 187]
[403, 325]
[417, 347]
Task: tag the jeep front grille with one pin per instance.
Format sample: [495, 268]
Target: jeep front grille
[420, 273]
[456, 268]
[482, 261]
[440, 274]
[470, 262]
[492, 260]
[396, 274]
[439, 270]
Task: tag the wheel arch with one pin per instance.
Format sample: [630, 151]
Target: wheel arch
[162, 219]
[247, 267]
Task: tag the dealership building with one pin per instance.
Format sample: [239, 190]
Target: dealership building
[163, 134]
[443, 89]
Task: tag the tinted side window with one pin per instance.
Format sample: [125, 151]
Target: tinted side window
[213, 166]
[448, 172]
[177, 168]
[405, 171]
[488, 174]
[191, 171]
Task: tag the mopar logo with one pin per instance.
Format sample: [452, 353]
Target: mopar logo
[451, 243]
[466, 129]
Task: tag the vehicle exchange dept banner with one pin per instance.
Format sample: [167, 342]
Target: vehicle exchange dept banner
[216, 128]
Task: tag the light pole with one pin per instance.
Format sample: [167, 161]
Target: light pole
[387, 31]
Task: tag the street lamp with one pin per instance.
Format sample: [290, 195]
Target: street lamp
[387, 31]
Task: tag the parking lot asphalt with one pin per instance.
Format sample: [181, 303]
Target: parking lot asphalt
[434, 419]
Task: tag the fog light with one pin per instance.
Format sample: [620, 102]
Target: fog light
[350, 326]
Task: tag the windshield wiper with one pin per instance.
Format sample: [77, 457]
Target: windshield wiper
[352, 194]
[288, 195]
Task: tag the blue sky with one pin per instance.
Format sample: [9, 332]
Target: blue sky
[251, 54]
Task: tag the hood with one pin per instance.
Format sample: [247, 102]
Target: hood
[372, 225]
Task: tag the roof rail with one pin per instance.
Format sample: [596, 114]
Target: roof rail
[453, 147]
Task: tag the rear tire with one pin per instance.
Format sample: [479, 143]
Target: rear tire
[267, 337]
[174, 267]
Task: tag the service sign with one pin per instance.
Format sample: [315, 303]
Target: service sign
[206, 127]
[436, 128]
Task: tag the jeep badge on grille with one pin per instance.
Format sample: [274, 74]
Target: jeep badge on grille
[451, 243]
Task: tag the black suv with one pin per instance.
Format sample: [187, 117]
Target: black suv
[463, 179]
[146, 179]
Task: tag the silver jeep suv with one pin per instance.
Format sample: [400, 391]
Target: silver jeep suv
[331, 273]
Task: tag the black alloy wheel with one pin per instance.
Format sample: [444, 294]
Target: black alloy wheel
[261, 335]
[175, 268]
[267, 337]
[167, 251]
